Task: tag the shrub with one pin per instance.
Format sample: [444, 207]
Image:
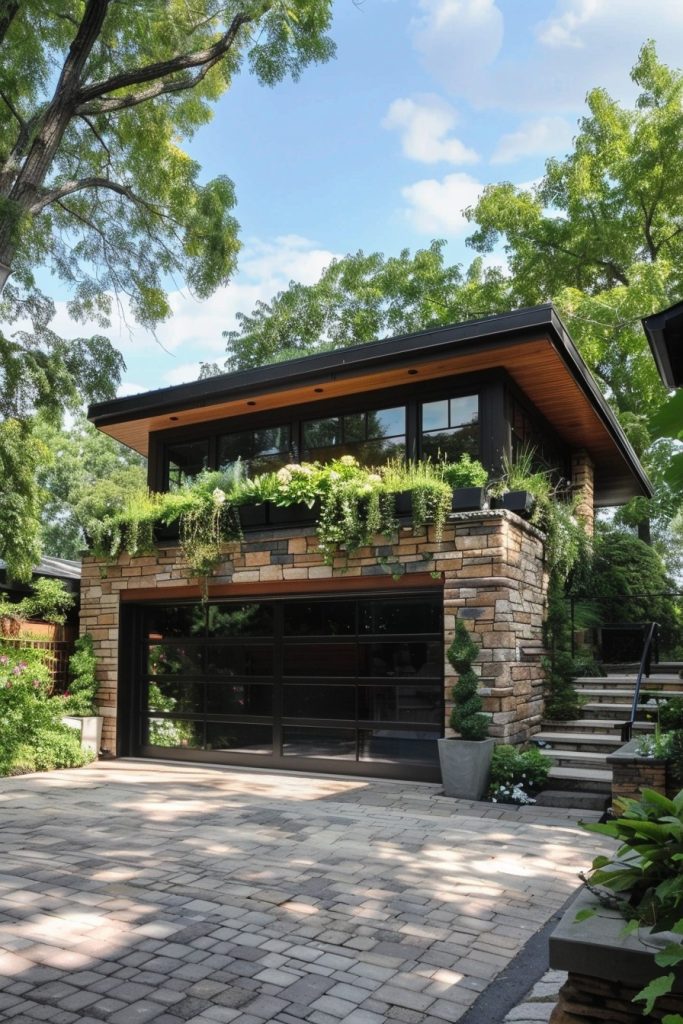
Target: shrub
[83, 684]
[466, 716]
[517, 774]
[466, 472]
[671, 713]
[50, 601]
[58, 747]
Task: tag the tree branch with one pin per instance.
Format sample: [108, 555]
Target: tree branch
[202, 59]
[68, 188]
[13, 110]
[7, 17]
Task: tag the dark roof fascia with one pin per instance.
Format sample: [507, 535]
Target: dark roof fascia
[357, 358]
[662, 330]
[488, 332]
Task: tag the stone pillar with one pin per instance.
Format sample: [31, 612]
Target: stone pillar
[583, 485]
[496, 582]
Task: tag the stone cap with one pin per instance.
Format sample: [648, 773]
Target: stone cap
[628, 754]
[597, 947]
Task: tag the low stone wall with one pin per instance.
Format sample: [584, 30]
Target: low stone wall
[587, 1000]
[490, 564]
[631, 774]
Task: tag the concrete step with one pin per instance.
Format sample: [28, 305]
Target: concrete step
[597, 780]
[596, 742]
[576, 758]
[589, 725]
[581, 800]
[659, 682]
[616, 694]
[616, 712]
[661, 668]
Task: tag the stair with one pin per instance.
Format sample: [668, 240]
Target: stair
[578, 749]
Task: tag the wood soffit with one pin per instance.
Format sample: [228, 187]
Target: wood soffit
[533, 362]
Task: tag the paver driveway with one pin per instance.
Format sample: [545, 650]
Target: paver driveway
[134, 892]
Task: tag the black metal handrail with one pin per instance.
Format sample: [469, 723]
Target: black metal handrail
[643, 670]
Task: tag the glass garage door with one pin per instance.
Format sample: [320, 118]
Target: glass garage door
[339, 684]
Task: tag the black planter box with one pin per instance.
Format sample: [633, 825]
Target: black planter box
[404, 503]
[521, 502]
[167, 534]
[253, 515]
[468, 499]
[292, 515]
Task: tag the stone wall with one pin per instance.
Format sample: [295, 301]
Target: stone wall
[583, 485]
[490, 564]
[587, 1000]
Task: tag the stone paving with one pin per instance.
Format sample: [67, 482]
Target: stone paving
[539, 1002]
[135, 891]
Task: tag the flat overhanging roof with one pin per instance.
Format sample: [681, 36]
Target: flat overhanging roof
[664, 333]
[531, 345]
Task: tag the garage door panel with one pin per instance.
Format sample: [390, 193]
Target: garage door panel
[355, 681]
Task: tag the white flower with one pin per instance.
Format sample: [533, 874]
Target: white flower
[284, 475]
[218, 496]
[348, 460]
[375, 478]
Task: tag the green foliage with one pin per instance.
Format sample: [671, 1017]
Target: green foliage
[562, 702]
[646, 875]
[361, 298]
[49, 602]
[627, 582]
[670, 713]
[89, 475]
[83, 679]
[466, 472]
[517, 774]
[59, 747]
[20, 498]
[466, 717]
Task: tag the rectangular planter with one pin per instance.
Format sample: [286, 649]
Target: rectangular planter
[631, 773]
[253, 515]
[167, 534]
[404, 504]
[90, 727]
[468, 499]
[292, 515]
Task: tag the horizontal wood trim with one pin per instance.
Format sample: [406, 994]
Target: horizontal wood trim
[284, 588]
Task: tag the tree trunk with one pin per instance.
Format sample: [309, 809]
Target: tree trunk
[644, 531]
[49, 132]
[7, 12]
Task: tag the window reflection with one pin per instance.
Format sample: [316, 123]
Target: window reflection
[450, 428]
[186, 461]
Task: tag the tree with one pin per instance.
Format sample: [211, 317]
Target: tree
[96, 97]
[602, 234]
[360, 298]
[89, 472]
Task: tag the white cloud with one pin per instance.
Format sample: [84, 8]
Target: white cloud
[543, 136]
[424, 124]
[435, 207]
[129, 388]
[183, 373]
[194, 333]
[573, 46]
[457, 39]
[564, 28]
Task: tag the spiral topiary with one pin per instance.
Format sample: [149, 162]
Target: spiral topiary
[466, 717]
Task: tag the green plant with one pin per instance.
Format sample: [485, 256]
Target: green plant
[517, 774]
[50, 601]
[466, 472]
[431, 495]
[562, 702]
[466, 716]
[676, 756]
[83, 683]
[671, 713]
[644, 880]
[25, 706]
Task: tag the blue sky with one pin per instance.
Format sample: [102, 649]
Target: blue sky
[382, 148]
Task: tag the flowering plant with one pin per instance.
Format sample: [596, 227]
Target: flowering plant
[298, 483]
[516, 775]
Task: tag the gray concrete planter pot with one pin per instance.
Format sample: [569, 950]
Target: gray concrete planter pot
[598, 948]
[465, 767]
[90, 728]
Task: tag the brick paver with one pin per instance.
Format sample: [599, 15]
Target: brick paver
[139, 892]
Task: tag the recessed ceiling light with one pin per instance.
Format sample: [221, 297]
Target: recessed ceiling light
[173, 418]
[411, 373]
[251, 403]
[318, 391]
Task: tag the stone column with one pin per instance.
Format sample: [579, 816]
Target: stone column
[583, 485]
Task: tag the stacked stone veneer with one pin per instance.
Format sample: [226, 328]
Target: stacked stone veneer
[492, 571]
